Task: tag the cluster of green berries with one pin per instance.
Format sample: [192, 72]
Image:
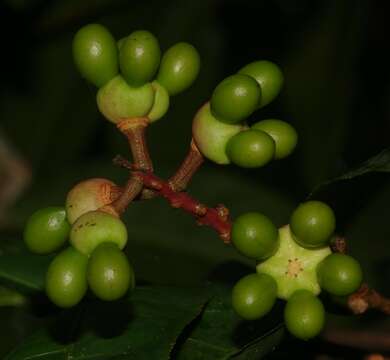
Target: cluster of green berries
[293, 263]
[93, 258]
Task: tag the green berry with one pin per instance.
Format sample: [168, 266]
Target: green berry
[46, 230]
[95, 54]
[304, 315]
[313, 223]
[282, 133]
[179, 68]
[109, 272]
[161, 102]
[235, 98]
[120, 42]
[117, 100]
[211, 136]
[251, 148]
[66, 278]
[88, 195]
[96, 227]
[269, 77]
[255, 236]
[139, 57]
[339, 274]
[254, 296]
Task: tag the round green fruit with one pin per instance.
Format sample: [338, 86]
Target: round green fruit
[250, 148]
[235, 98]
[254, 296]
[96, 227]
[339, 274]
[95, 54]
[117, 100]
[66, 278]
[161, 102]
[313, 224]
[283, 134]
[304, 315]
[179, 68]
[139, 57]
[269, 77]
[46, 230]
[255, 236]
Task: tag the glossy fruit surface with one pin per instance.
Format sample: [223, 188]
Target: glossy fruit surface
[312, 224]
[251, 149]
[211, 136]
[304, 315]
[95, 54]
[179, 68]
[339, 274]
[292, 266]
[235, 98]
[46, 230]
[161, 102]
[283, 134]
[117, 100]
[109, 273]
[255, 236]
[66, 278]
[96, 227]
[254, 296]
[269, 77]
[89, 195]
[139, 57]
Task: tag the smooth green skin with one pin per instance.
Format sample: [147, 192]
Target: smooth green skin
[161, 102]
[96, 227]
[283, 134]
[339, 274]
[179, 68]
[251, 149]
[235, 98]
[269, 77]
[46, 230]
[117, 100]
[139, 57]
[211, 136]
[120, 42]
[313, 224]
[279, 265]
[109, 273]
[254, 296]
[66, 278]
[255, 236]
[304, 315]
[95, 54]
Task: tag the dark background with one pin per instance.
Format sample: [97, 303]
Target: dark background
[334, 55]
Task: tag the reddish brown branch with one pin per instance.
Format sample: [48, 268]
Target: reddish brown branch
[366, 298]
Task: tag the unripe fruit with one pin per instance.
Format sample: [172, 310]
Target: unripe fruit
[304, 315]
[339, 274]
[211, 135]
[161, 102]
[46, 230]
[96, 227]
[179, 68]
[254, 296]
[95, 54]
[235, 98]
[117, 100]
[139, 57]
[66, 278]
[255, 236]
[283, 134]
[269, 77]
[109, 272]
[312, 224]
[89, 195]
[250, 149]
